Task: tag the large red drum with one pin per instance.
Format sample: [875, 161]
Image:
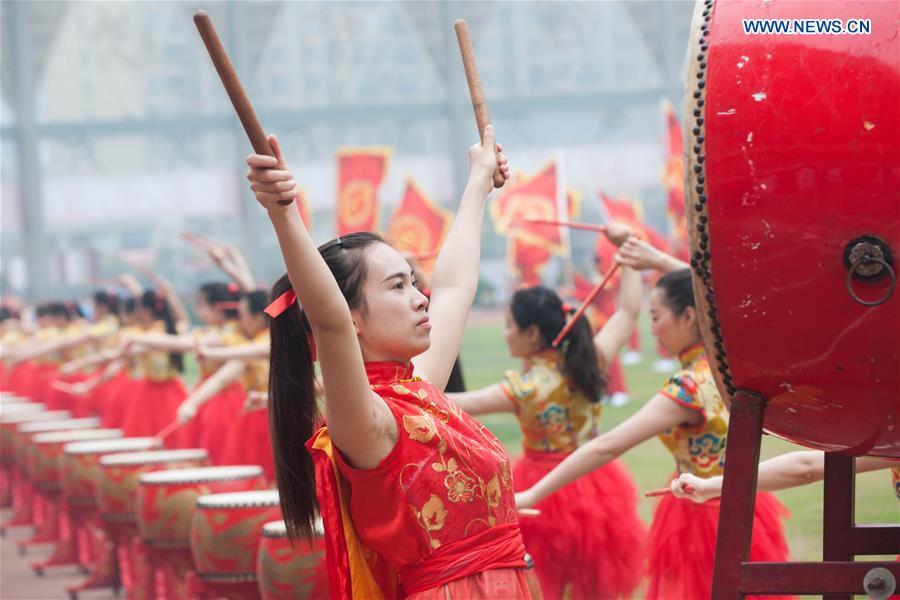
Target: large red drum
[45, 463]
[117, 491]
[287, 571]
[793, 145]
[81, 465]
[225, 534]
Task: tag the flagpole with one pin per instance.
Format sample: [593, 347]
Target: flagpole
[562, 209]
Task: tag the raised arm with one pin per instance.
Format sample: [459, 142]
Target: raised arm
[455, 275]
[211, 386]
[357, 419]
[640, 255]
[656, 416]
[243, 352]
[617, 329]
[491, 399]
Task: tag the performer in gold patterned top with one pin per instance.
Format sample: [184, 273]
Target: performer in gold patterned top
[556, 400]
[689, 416]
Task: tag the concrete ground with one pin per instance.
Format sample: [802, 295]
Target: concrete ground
[18, 581]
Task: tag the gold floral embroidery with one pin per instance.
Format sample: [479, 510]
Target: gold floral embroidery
[432, 517]
[420, 428]
[459, 487]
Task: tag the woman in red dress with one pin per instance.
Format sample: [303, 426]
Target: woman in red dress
[690, 418]
[415, 495]
[594, 522]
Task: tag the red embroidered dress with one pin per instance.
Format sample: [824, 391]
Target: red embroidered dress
[438, 510]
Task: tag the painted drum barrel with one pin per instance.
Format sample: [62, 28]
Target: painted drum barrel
[45, 463]
[81, 465]
[24, 446]
[117, 490]
[286, 571]
[793, 195]
[225, 534]
[10, 423]
[166, 499]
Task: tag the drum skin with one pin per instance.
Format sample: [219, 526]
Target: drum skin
[46, 461]
[164, 508]
[793, 151]
[286, 571]
[225, 533]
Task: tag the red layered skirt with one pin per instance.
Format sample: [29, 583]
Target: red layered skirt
[152, 406]
[682, 544]
[247, 441]
[588, 540]
[209, 428]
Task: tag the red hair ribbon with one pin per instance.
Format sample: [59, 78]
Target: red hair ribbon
[281, 303]
[566, 308]
[233, 288]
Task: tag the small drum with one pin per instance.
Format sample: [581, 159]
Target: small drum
[18, 408]
[25, 448]
[10, 398]
[45, 463]
[9, 424]
[793, 217]
[166, 499]
[287, 571]
[225, 533]
[81, 465]
[118, 485]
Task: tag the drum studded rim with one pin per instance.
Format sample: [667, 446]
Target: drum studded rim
[58, 437]
[53, 415]
[153, 457]
[698, 193]
[247, 577]
[278, 529]
[254, 499]
[86, 423]
[110, 446]
[200, 475]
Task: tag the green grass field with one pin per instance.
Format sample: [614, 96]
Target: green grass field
[484, 358]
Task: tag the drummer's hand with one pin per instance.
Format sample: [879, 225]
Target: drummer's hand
[525, 499]
[186, 411]
[485, 158]
[617, 232]
[270, 178]
[694, 488]
[639, 255]
[256, 400]
[68, 369]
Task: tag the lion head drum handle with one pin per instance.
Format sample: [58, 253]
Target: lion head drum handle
[233, 86]
[476, 91]
[868, 258]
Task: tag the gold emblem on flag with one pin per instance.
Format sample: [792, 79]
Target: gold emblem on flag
[357, 203]
[411, 234]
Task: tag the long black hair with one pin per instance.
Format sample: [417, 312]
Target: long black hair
[222, 296]
[108, 300]
[293, 413]
[543, 307]
[159, 308]
[678, 290]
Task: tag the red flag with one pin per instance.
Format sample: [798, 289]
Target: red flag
[673, 180]
[534, 198]
[360, 172]
[526, 260]
[418, 226]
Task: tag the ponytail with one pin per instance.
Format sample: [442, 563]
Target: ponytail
[293, 412]
[543, 307]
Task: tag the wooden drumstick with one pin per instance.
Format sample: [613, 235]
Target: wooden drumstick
[584, 305]
[476, 91]
[168, 430]
[569, 224]
[233, 87]
[688, 489]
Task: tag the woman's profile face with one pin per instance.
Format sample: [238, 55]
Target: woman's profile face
[674, 332]
[205, 311]
[392, 322]
[520, 342]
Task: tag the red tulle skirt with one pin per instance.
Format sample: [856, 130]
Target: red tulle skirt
[247, 442]
[588, 540]
[46, 393]
[114, 397]
[682, 544]
[152, 406]
[209, 428]
[21, 379]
